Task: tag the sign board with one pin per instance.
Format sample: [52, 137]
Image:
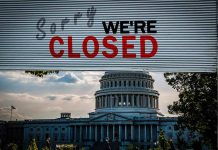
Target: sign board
[154, 35]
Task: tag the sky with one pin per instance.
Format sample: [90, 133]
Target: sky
[69, 91]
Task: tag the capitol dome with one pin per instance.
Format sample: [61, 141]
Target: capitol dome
[129, 93]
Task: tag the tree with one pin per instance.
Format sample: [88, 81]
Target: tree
[45, 148]
[197, 104]
[181, 143]
[41, 73]
[132, 146]
[163, 143]
[12, 146]
[32, 145]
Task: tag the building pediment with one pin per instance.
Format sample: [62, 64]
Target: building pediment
[110, 117]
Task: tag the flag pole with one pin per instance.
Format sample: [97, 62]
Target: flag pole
[11, 114]
[12, 107]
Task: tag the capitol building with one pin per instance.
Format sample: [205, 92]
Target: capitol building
[126, 112]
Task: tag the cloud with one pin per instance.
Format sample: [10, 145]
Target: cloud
[67, 78]
[68, 98]
[40, 107]
[86, 97]
[51, 97]
[66, 91]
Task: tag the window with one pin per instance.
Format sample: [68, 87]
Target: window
[30, 136]
[130, 100]
[37, 137]
[46, 135]
[62, 136]
[63, 129]
[129, 83]
[135, 103]
[55, 137]
[119, 100]
[124, 100]
[124, 82]
[115, 83]
[119, 83]
[56, 129]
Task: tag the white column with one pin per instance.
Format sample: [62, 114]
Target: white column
[127, 100]
[125, 132]
[121, 100]
[149, 105]
[116, 100]
[138, 100]
[96, 128]
[152, 101]
[145, 134]
[132, 132]
[139, 132]
[96, 102]
[105, 101]
[144, 100]
[108, 131]
[86, 132]
[111, 100]
[90, 132]
[99, 101]
[151, 134]
[113, 132]
[102, 101]
[108, 101]
[74, 133]
[120, 130]
[133, 97]
[158, 131]
[80, 133]
[102, 136]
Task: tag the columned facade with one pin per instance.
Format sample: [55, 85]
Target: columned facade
[126, 112]
[130, 95]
